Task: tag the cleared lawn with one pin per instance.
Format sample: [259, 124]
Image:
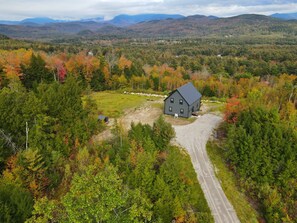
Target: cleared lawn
[215, 107]
[113, 104]
[245, 212]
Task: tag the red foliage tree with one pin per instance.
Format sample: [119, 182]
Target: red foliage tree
[61, 73]
[233, 107]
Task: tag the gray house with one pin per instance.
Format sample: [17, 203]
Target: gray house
[183, 101]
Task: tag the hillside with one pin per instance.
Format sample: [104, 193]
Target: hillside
[209, 26]
[127, 20]
[2, 37]
[49, 31]
[191, 26]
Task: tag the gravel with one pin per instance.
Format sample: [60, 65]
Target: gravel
[193, 138]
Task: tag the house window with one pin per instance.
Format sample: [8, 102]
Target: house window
[170, 108]
[180, 101]
[182, 111]
[172, 100]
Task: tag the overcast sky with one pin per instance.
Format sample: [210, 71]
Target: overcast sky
[75, 9]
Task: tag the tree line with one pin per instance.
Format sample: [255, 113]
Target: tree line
[261, 150]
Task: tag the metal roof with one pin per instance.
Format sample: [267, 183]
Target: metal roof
[189, 93]
[101, 117]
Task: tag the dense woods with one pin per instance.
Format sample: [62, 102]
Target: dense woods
[64, 177]
[261, 149]
[52, 171]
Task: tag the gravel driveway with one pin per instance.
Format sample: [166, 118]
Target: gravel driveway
[193, 138]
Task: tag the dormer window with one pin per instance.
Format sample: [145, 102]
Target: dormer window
[172, 100]
[180, 101]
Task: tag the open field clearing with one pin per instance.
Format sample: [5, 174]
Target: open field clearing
[113, 104]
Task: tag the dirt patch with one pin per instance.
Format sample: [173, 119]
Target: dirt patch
[146, 114]
[178, 121]
[212, 108]
[106, 134]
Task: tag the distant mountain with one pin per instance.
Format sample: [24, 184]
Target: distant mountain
[97, 19]
[126, 20]
[191, 26]
[6, 22]
[32, 21]
[120, 20]
[49, 31]
[40, 21]
[46, 21]
[285, 16]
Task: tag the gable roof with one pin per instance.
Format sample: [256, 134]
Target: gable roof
[189, 93]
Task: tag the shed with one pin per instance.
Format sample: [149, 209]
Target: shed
[183, 101]
[103, 118]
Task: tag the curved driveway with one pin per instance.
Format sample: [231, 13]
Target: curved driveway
[193, 138]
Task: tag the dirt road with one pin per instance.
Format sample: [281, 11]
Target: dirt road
[194, 137]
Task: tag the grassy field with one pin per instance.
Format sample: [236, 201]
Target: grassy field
[245, 212]
[213, 106]
[113, 104]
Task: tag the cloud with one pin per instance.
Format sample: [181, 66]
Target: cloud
[74, 9]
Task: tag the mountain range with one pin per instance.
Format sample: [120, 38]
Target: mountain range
[120, 20]
[285, 16]
[150, 25]
[127, 20]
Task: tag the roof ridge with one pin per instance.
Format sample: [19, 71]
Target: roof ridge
[189, 92]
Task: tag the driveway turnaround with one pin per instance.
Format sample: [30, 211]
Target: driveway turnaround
[193, 138]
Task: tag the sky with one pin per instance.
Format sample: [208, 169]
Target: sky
[77, 9]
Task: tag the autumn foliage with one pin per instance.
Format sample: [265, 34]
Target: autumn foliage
[143, 177]
[232, 109]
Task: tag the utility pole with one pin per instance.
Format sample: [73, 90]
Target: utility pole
[27, 135]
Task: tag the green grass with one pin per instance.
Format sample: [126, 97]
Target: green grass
[158, 105]
[114, 104]
[214, 106]
[244, 210]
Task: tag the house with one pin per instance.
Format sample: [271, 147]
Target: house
[183, 101]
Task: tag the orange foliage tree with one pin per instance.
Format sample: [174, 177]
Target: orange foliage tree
[83, 65]
[232, 109]
[124, 63]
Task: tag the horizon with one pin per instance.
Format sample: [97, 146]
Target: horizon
[104, 19]
[17, 10]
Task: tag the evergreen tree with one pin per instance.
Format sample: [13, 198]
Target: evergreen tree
[35, 72]
[16, 203]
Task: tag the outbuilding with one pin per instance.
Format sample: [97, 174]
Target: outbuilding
[183, 101]
[103, 118]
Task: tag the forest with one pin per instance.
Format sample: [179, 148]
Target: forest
[52, 170]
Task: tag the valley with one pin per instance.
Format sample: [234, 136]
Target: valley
[232, 160]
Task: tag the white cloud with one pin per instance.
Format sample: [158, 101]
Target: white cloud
[20, 9]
